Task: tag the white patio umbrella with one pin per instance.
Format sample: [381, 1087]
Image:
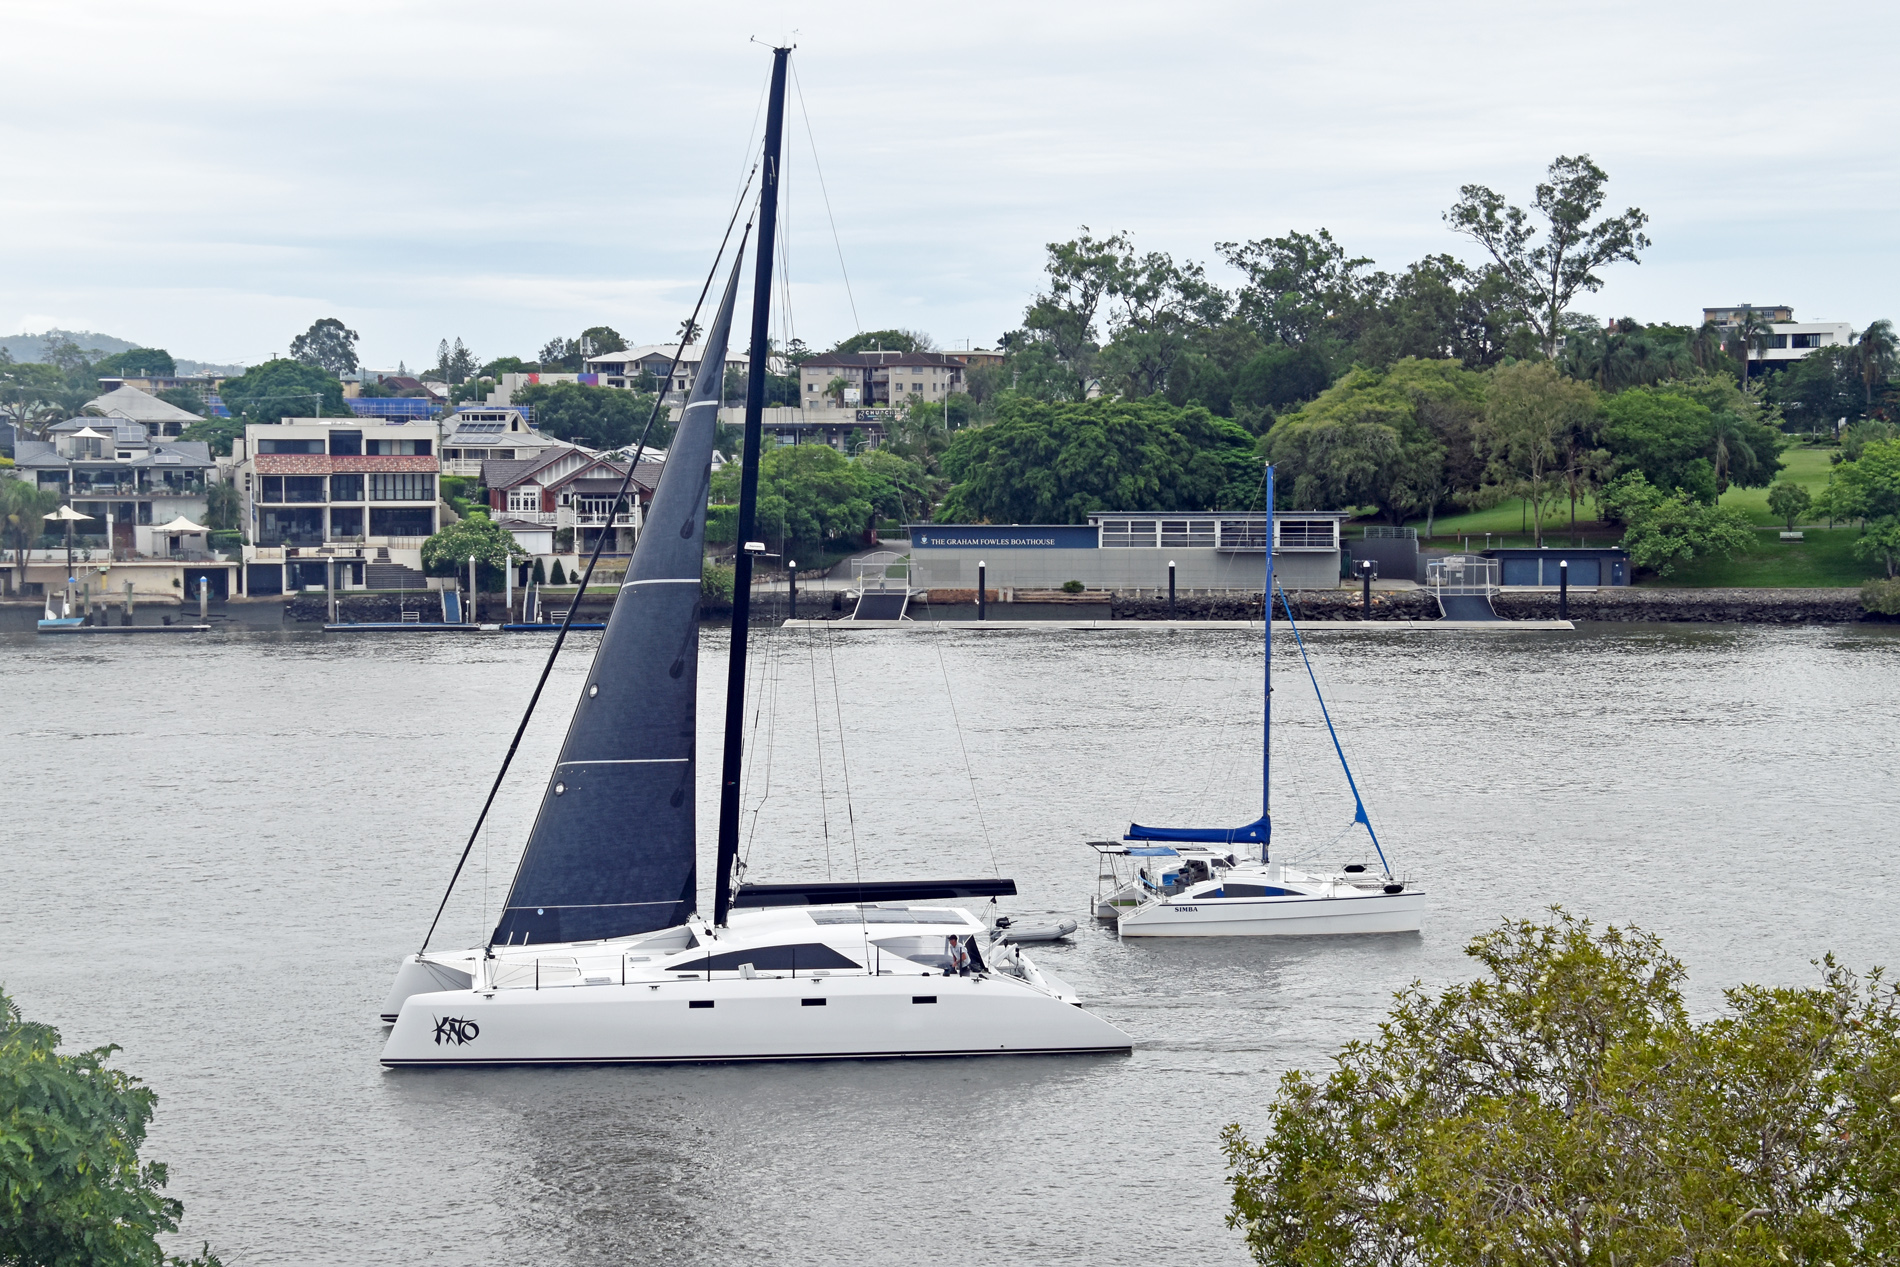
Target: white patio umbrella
[181, 524]
[66, 512]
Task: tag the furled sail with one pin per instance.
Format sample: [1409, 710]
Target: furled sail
[611, 853]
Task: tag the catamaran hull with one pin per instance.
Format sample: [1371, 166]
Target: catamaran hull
[1277, 917]
[762, 1019]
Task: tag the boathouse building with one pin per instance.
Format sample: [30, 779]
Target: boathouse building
[1217, 552]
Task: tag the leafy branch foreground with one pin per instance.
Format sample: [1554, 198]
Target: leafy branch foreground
[73, 1192]
[1564, 1109]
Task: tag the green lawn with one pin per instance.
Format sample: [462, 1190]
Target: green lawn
[1824, 559]
[1507, 523]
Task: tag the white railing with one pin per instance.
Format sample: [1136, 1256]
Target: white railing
[1462, 574]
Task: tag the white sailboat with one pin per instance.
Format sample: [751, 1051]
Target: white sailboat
[1208, 882]
[600, 955]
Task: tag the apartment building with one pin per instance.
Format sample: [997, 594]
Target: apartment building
[878, 379]
[350, 494]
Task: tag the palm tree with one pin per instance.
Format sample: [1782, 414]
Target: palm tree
[1728, 441]
[1876, 353]
[1705, 346]
[1751, 332]
[23, 510]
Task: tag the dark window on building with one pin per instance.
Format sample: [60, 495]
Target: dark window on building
[290, 446]
[399, 448]
[401, 486]
[346, 443]
[303, 488]
[404, 522]
[346, 522]
[1804, 340]
[801, 958]
[346, 488]
[291, 526]
[270, 488]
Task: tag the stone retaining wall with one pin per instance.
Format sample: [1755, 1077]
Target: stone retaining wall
[1726, 606]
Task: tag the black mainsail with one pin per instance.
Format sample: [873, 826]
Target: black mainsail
[611, 853]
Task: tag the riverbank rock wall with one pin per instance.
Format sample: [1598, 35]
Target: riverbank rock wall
[1694, 606]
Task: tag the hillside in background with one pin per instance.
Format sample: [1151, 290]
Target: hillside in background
[31, 347]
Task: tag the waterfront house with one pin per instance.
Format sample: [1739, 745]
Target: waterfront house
[114, 470]
[1128, 552]
[572, 489]
[354, 494]
[130, 404]
[477, 434]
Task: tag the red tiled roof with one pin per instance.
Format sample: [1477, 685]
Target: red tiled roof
[324, 464]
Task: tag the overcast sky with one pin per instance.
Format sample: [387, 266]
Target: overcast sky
[211, 177]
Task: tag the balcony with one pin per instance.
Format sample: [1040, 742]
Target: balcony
[585, 519]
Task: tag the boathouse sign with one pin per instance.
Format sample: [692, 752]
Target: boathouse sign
[1005, 536]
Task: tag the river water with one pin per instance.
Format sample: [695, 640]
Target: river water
[216, 851]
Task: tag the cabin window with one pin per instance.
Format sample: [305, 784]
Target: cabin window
[699, 1003]
[923, 998]
[1257, 890]
[811, 1002]
[804, 957]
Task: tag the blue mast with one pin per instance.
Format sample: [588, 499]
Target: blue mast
[1266, 694]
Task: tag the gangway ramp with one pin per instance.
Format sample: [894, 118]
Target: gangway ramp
[882, 582]
[1463, 584]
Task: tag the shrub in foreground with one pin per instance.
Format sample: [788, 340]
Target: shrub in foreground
[1563, 1108]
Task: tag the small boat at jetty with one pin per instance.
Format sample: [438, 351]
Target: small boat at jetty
[601, 955]
[1223, 882]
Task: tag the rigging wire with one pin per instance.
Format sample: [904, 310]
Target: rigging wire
[1358, 801]
[818, 749]
[812, 141]
[580, 592]
[844, 762]
[956, 723]
[776, 657]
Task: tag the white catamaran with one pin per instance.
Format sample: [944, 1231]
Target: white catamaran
[600, 955]
[1208, 882]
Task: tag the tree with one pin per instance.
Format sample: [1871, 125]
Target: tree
[329, 345]
[1821, 389]
[1043, 462]
[689, 331]
[1665, 528]
[24, 506]
[455, 364]
[1751, 335]
[224, 508]
[221, 434]
[283, 389]
[1364, 441]
[1534, 421]
[1082, 272]
[136, 363]
[593, 417]
[1301, 288]
[1788, 501]
[1545, 276]
[886, 341]
[1281, 377]
[72, 1187]
[1868, 489]
[811, 495]
[1564, 1108]
[1876, 353]
[493, 547]
[601, 340]
[561, 355]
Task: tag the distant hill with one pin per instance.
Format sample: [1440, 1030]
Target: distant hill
[32, 347]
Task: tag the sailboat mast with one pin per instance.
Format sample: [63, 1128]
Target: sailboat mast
[1266, 729]
[757, 367]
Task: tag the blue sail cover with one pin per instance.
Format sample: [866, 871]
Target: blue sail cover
[1254, 833]
[611, 853]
